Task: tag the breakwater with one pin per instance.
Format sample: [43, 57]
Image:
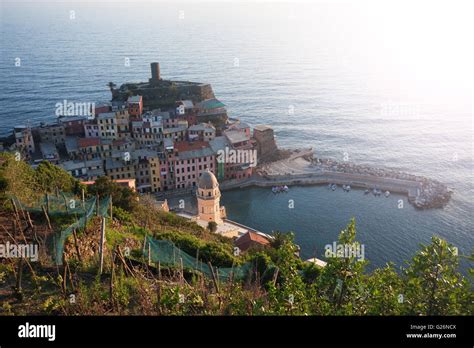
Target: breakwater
[422, 193]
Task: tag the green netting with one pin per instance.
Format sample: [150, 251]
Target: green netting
[91, 209]
[60, 238]
[59, 204]
[66, 204]
[168, 254]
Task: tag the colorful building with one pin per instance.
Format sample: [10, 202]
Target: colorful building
[135, 106]
[24, 139]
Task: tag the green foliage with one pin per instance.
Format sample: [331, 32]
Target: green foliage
[122, 215]
[342, 283]
[432, 284]
[310, 272]
[218, 254]
[19, 179]
[288, 296]
[16, 178]
[383, 293]
[212, 226]
[50, 178]
[122, 197]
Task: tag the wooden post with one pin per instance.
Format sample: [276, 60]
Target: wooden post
[76, 244]
[70, 275]
[45, 211]
[17, 217]
[149, 254]
[214, 279]
[30, 222]
[101, 246]
[65, 203]
[111, 286]
[158, 296]
[47, 203]
[182, 269]
[15, 209]
[64, 274]
[111, 212]
[275, 276]
[83, 200]
[19, 293]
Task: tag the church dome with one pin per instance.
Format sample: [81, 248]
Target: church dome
[207, 180]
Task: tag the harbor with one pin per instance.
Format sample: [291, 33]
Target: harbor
[302, 168]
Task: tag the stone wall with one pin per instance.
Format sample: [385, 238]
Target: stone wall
[266, 145]
[165, 93]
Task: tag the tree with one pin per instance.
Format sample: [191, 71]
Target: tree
[341, 282]
[17, 179]
[384, 292]
[432, 284]
[50, 178]
[212, 226]
[122, 197]
[288, 294]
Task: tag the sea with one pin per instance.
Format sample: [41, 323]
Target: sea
[383, 83]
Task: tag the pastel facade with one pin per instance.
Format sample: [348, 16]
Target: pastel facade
[189, 161]
[135, 106]
[24, 139]
[54, 133]
[202, 132]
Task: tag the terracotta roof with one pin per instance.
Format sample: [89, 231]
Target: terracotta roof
[244, 242]
[183, 146]
[85, 142]
[258, 238]
[119, 142]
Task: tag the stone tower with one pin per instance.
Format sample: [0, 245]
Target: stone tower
[155, 72]
[208, 197]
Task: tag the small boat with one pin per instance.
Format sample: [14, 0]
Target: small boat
[366, 192]
[333, 187]
[348, 188]
[278, 189]
[387, 193]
